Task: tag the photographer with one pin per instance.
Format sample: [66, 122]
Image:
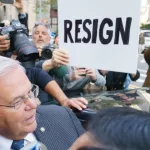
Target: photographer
[55, 65]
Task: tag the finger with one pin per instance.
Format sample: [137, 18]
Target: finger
[4, 37]
[80, 104]
[61, 57]
[40, 54]
[77, 104]
[90, 74]
[83, 100]
[58, 62]
[81, 73]
[80, 69]
[87, 69]
[60, 54]
[4, 46]
[62, 51]
[61, 60]
[90, 71]
[4, 42]
[4, 49]
[55, 53]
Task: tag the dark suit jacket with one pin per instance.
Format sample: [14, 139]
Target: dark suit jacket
[61, 126]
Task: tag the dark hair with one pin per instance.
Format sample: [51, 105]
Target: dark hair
[121, 128]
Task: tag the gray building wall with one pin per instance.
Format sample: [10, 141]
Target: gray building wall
[8, 12]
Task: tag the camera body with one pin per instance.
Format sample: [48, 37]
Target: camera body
[47, 52]
[13, 31]
[19, 42]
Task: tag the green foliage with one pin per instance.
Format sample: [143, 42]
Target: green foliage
[145, 26]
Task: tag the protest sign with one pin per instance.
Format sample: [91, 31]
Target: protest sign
[100, 34]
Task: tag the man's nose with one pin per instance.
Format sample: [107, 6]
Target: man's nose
[31, 103]
[40, 34]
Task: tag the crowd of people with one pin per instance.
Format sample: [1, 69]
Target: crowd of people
[27, 92]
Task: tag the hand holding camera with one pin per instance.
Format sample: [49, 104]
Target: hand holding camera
[4, 43]
[78, 73]
[92, 74]
[60, 57]
[19, 43]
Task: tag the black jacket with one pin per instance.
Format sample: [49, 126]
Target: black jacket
[115, 80]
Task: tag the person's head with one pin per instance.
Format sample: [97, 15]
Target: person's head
[41, 34]
[117, 128]
[17, 101]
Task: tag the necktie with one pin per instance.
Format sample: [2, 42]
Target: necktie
[17, 144]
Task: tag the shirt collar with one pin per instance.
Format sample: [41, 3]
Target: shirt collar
[6, 143]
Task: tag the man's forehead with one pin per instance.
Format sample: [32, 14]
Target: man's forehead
[41, 28]
[15, 80]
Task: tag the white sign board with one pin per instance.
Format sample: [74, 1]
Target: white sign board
[100, 34]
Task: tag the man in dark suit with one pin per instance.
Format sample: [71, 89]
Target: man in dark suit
[21, 121]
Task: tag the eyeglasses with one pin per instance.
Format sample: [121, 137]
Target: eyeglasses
[33, 93]
[41, 23]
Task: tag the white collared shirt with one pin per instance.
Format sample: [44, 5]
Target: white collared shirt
[5, 144]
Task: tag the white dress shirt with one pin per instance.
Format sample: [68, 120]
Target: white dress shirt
[5, 144]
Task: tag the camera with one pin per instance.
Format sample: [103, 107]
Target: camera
[47, 52]
[19, 42]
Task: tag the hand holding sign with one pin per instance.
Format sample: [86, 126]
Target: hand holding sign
[60, 57]
[107, 34]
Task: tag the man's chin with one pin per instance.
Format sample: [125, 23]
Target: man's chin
[31, 128]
